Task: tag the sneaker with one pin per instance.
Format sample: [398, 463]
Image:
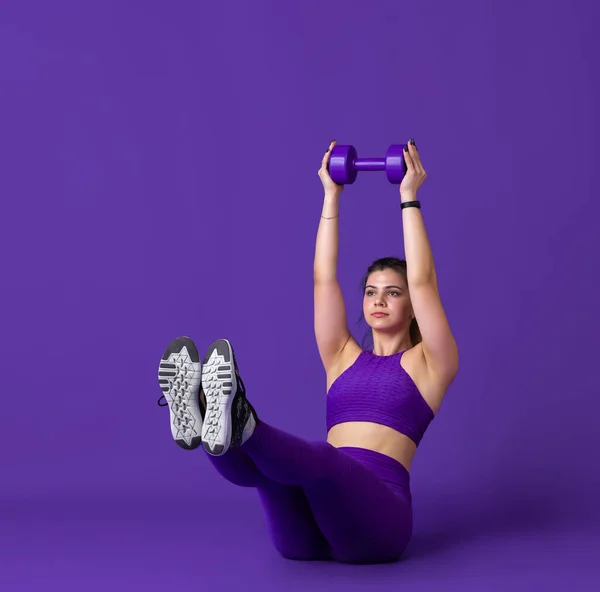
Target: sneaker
[230, 419]
[179, 377]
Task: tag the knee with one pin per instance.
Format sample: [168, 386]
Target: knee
[325, 470]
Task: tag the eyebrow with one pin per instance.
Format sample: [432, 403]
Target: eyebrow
[385, 287]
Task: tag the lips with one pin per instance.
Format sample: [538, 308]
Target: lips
[380, 314]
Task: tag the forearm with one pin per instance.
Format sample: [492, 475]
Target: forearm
[326, 249]
[420, 267]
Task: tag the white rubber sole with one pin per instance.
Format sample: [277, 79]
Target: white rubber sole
[179, 377]
[219, 385]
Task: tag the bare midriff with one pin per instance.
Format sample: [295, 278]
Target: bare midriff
[373, 436]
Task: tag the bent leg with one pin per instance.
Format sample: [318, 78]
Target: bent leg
[290, 521]
[365, 519]
[364, 508]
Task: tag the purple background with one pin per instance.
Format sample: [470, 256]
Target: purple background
[159, 177]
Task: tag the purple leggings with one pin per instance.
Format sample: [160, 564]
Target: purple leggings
[347, 504]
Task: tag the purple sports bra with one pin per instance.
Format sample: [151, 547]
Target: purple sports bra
[377, 389]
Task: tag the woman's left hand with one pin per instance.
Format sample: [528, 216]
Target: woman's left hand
[415, 173]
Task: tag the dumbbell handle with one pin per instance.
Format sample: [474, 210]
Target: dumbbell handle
[369, 164]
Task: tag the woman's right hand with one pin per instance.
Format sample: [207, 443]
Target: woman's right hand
[329, 186]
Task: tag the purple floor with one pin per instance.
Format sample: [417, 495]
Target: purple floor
[185, 546]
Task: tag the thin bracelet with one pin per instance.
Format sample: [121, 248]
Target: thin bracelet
[332, 217]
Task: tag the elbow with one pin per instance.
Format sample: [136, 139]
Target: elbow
[428, 279]
[324, 276]
[324, 271]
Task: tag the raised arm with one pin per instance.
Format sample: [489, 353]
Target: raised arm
[439, 347]
[331, 327]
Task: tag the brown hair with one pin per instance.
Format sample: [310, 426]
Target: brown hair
[398, 265]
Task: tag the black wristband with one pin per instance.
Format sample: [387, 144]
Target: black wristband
[410, 204]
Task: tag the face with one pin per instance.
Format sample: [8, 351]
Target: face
[386, 292]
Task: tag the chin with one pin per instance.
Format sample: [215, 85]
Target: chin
[385, 325]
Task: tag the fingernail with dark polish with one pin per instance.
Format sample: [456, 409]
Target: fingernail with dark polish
[405, 148]
[412, 141]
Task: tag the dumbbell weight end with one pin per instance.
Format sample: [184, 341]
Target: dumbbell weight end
[395, 167]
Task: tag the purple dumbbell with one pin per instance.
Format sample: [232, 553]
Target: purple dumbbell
[344, 164]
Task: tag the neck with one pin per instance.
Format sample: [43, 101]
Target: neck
[388, 345]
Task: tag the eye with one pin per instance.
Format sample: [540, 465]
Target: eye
[394, 292]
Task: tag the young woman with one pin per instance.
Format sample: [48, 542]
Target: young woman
[347, 498]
